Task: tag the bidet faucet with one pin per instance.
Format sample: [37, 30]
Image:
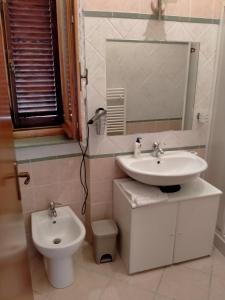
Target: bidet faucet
[52, 211]
[157, 151]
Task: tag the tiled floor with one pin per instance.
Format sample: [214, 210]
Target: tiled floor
[202, 279]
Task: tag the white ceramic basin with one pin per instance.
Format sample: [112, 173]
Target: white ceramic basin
[171, 168]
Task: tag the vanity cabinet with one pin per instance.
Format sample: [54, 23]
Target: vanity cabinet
[195, 228]
[152, 242]
[178, 229]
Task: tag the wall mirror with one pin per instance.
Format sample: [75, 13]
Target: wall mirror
[150, 85]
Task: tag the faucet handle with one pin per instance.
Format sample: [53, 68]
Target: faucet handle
[156, 145]
[52, 204]
[138, 140]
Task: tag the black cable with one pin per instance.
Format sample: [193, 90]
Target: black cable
[83, 172]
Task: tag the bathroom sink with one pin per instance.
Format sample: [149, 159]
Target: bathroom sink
[171, 168]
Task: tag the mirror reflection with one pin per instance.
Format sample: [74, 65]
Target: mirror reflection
[150, 85]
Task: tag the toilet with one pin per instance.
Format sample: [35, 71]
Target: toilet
[57, 239]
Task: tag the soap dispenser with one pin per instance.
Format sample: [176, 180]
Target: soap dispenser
[137, 148]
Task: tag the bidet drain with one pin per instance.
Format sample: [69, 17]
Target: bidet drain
[57, 241]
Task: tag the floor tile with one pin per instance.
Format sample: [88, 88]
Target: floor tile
[85, 259]
[118, 290]
[40, 296]
[37, 268]
[87, 286]
[217, 291]
[160, 297]
[219, 264]
[147, 280]
[42, 286]
[182, 283]
[202, 264]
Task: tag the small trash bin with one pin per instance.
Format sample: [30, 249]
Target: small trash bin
[105, 233]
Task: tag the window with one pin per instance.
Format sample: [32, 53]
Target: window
[42, 58]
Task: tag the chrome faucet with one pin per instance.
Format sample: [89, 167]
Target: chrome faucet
[52, 211]
[157, 151]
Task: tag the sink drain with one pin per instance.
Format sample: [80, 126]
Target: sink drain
[57, 241]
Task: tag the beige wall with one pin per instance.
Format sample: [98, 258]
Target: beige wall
[184, 8]
[153, 126]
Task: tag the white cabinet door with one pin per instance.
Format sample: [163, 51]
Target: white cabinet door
[152, 236]
[196, 222]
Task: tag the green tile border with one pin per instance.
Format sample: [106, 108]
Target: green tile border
[125, 15]
[155, 120]
[20, 162]
[148, 42]
[146, 151]
[103, 155]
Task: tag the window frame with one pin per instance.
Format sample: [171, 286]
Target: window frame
[70, 126]
[71, 114]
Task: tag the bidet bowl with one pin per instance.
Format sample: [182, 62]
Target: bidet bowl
[59, 236]
[171, 168]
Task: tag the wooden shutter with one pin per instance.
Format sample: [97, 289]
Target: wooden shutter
[67, 20]
[32, 56]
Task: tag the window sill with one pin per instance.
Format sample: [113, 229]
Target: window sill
[40, 132]
[42, 141]
[40, 137]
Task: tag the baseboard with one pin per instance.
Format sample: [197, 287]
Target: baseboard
[219, 242]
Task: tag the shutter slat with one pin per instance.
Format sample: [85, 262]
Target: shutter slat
[34, 64]
[31, 47]
[34, 70]
[28, 9]
[33, 61]
[30, 84]
[40, 19]
[37, 3]
[33, 78]
[28, 102]
[24, 76]
[26, 28]
[34, 97]
[35, 89]
[32, 51]
[28, 31]
[36, 110]
[31, 56]
[38, 105]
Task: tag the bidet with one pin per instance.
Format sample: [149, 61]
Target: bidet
[57, 239]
